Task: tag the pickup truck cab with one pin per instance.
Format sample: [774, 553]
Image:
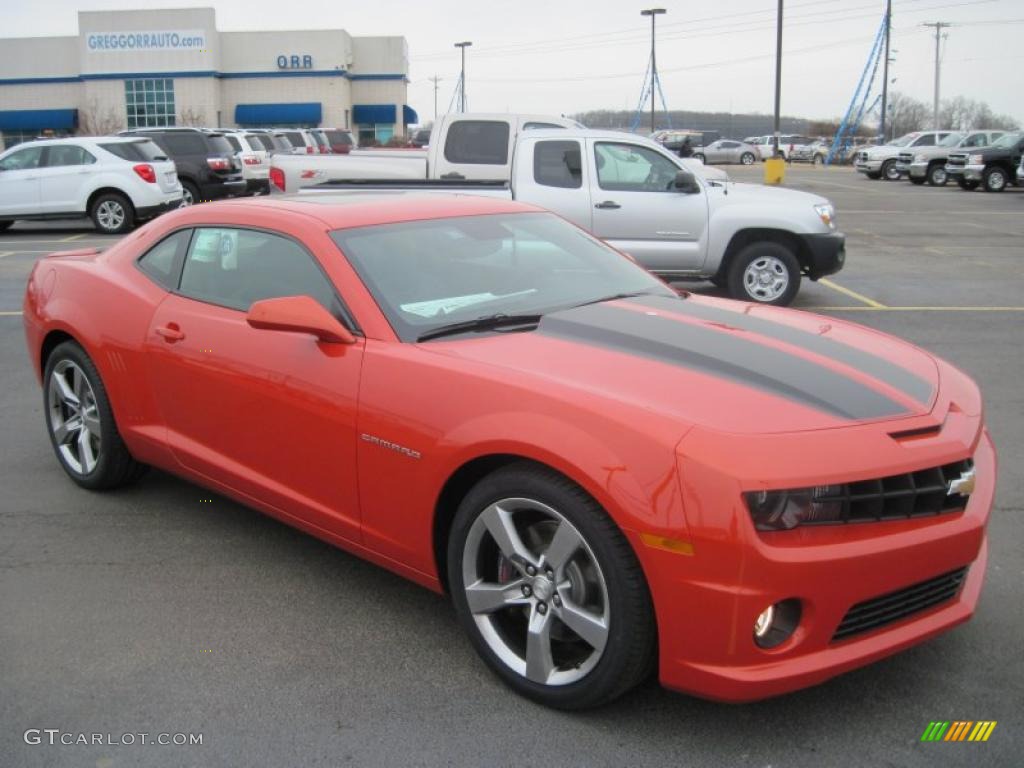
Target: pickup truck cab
[753, 240]
[928, 164]
[992, 167]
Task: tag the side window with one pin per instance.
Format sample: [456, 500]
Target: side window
[477, 142]
[184, 143]
[162, 262]
[68, 154]
[233, 142]
[729, 144]
[235, 267]
[558, 164]
[21, 160]
[977, 140]
[632, 168]
[928, 140]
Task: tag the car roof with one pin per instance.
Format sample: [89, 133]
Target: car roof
[344, 210]
[59, 140]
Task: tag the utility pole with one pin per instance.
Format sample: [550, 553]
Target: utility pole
[435, 80]
[885, 70]
[462, 78]
[939, 26]
[653, 12]
[778, 76]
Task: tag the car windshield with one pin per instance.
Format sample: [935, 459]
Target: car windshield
[952, 140]
[902, 141]
[428, 274]
[1008, 140]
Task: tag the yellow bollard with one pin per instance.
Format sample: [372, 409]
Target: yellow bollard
[774, 170]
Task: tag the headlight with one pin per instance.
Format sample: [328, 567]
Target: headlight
[976, 160]
[920, 158]
[782, 510]
[827, 214]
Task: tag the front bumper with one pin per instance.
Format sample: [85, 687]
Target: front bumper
[150, 211]
[826, 253]
[868, 166]
[972, 172]
[917, 170]
[708, 600]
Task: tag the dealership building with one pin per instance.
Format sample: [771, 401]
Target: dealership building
[128, 69]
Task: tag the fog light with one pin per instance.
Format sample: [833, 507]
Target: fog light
[777, 623]
[764, 621]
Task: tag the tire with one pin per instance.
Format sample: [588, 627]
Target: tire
[873, 175]
[765, 273]
[91, 453]
[889, 172]
[967, 185]
[5, 225]
[747, 158]
[189, 194]
[917, 182]
[720, 281]
[937, 176]
[531, 505]
[994, 180]
[817, 160]
[112, 213]
[698, 156]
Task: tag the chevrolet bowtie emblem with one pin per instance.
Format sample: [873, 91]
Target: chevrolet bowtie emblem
[963, 485]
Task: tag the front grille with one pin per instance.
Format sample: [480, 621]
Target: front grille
[879, 611]
[957, 160]
[862, 156]
[914, 494]
[906, 157]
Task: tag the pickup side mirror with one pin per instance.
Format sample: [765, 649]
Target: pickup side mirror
[686, 183]
[298, 314]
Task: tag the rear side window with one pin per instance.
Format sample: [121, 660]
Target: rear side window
[234, 143]
[219, 144]
[558, 164]
[281, 142]
[295, 138]
[339, 137]
[254, 141]
[162, 262]
[261, 140]
[477, 142]
[136, 151]
[235, 267]
[186, 144]
[68, 154]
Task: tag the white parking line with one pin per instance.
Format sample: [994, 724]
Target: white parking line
[72, 238]
[6, 253]
[10, 313]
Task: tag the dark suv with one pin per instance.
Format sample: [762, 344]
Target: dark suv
[206, 162]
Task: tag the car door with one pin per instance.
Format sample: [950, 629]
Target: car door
[65, 170]
[269, 414]
[637, 208]
[19, 181]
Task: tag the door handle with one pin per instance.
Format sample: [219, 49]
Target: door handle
[608, 205]
[170, 333]
[453, 176]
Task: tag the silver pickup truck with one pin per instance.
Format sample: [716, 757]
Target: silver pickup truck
[922, 164]
[755, 241]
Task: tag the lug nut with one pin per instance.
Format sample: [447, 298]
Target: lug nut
[550, 574]
[531, 570]
[556, 600]
[526, 590]
[542, 608]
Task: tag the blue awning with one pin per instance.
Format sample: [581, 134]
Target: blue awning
[369, 114]
[409, 116]
[308, 113]
[38, 119]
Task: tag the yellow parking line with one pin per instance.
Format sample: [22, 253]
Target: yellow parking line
[9, 313]
[72, 238]
[852, 294]
[881, 308]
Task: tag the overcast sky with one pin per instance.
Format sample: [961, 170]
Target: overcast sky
[566, 56]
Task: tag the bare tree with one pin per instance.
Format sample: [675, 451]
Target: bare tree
[907, 114]
[92, 121]
[192, 117]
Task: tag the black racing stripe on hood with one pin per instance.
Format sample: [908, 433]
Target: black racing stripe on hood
[879, 368]
[720, 354]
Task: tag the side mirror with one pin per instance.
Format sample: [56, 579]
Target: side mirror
[298, 314]
[686, 182]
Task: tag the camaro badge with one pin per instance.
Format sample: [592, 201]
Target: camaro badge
[963, 485]
[394, 446]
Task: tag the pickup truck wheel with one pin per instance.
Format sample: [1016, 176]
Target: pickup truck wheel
[765, 273]
[967, 185]
[549, 590]
[889, 171]
[112, 213]
[917, 181]
[817, 160]
[698, 156]
[873, 175]
[937, 176]
[994, 180]
[747, 158]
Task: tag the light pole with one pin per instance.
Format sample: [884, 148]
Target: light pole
[778, 77]
[885, 68]
[462, 78]
[653, 12]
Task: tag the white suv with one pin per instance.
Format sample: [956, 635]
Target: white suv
[115, 181]
[253, 158]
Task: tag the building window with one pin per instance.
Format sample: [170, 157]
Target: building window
[379, 133]
[11, 138]
[149, 102]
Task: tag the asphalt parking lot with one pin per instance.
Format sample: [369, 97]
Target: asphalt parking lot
[154, 610]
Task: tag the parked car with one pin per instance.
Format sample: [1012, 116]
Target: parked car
[673, 140]
[754, 241]
[815, 153]
[421, 138]
[928, 164]
[302, 141]
[117, 182]
[727, 151]
[880, 162]
[323, 145]
[788, 143]
[607, 478]
[273, 141]
[253, 158]
[992, 167]
[205, 160]
[340, 140]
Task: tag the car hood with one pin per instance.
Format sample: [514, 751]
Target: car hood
[743, 193]
[718, 364]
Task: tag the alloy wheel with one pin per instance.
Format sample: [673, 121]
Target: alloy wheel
[110, 214]
[74, 417]
[766, 278]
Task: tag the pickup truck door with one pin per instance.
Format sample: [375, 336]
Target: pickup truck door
[637, 209]
[550, 173]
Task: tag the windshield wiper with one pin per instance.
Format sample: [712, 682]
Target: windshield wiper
[486, 323]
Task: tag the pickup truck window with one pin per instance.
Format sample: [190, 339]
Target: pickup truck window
[477, 142]
[632, 168]
[928, 140]
[558, 164]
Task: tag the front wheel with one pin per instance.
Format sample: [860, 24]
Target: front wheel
[994, 180]
[967, 185]
[189, 194]
[548, 589]
[112, 213]
[765, 273]
[873, 175]
[698, 156]
[937, 176]
[917, 182]
[889, 171]
[747, 158]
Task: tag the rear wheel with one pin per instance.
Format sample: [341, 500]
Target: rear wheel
[548, 589]
[937, 176]
[873, 175]
[698, 156]
[967, 184]
[189, 194]
[747, 158]
[889, 171]
[81, 424]
[917, 181]
[112, 213]
[765, 273]
[994, 180]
